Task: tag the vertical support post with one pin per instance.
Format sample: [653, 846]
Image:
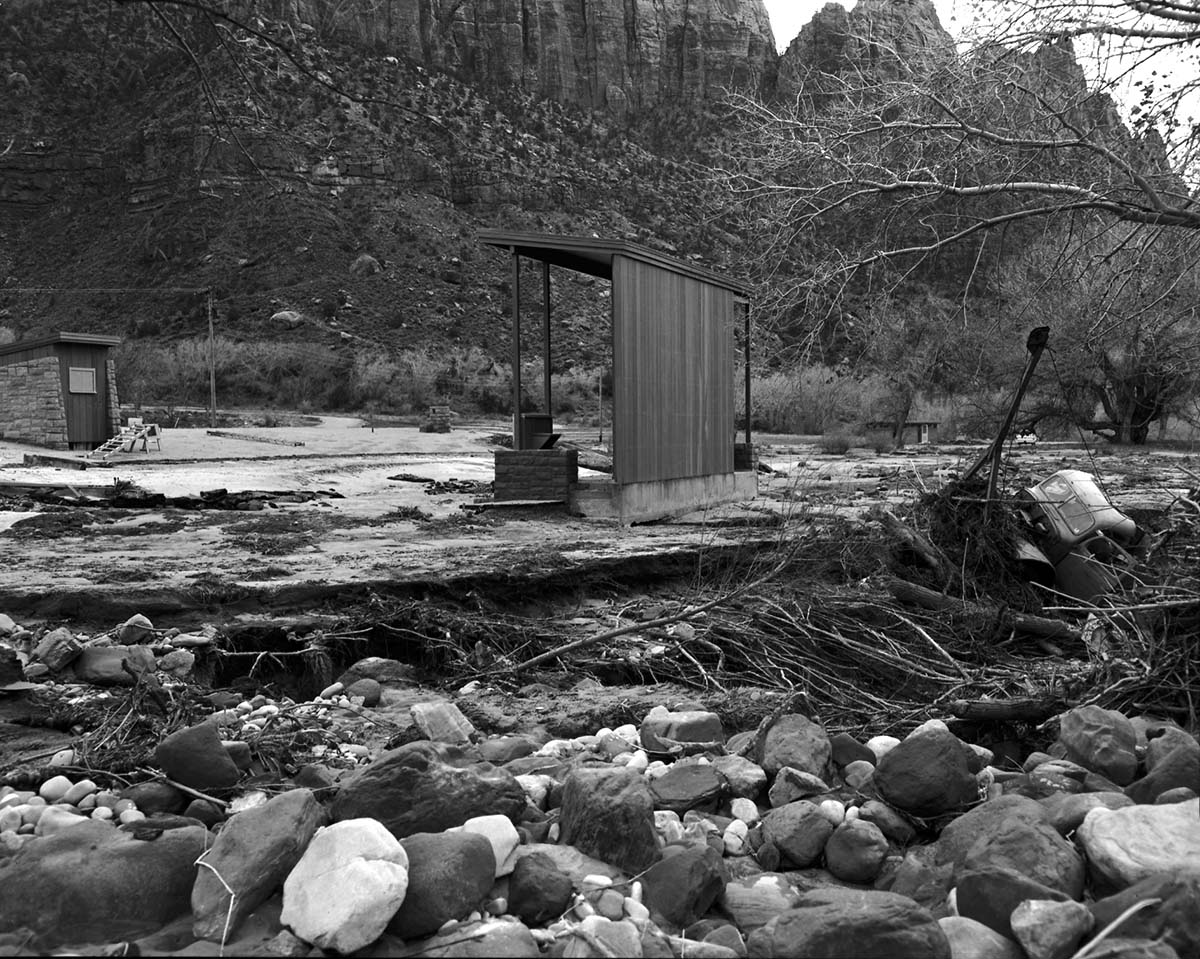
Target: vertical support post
[516, 349]
[747, 315]
[549, 409]
[212, 367]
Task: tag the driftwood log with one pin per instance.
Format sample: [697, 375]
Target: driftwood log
[913, 595]
[1032, 710]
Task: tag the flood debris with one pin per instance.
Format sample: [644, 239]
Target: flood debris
[183, 818]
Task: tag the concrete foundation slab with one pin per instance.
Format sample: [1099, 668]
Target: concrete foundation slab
[641, 502]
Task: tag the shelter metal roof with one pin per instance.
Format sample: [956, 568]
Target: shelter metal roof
[86, 339]
[594, 255]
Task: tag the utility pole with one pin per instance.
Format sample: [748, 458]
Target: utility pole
[212, 367]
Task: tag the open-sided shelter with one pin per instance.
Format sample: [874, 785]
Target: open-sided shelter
[59, 391]
[673, 386]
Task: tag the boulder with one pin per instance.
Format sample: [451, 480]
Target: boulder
[252, 856]
[1047, 929]
[156, 797]
[799, 830]
[1103, 740]
[498, 938]
[369, 689]
[1175, 919]
[921, 878]
[851, 924]
[683, 885]
[746, 779]
[1033, 849]
[893, 825]
[973, 940]
[504, 749]
[442, 722]
[989, 896]
[136, 629]
[57, 649]
[792, 784]
[796, 741]
[686, 787]
[1121, 947]
[927, 775]
[845, 749]
[961, 834]
[570, 861]
[856, 851]
[411, 789]
[1067, 811]
[756, 900]
[602, 937]
[347, 886]
[94, 883]
[449, 874]
[385, 671]
[609, 813]
[662, 730]
[1179, 767]
[195, 757]
[105, 665]
[538, 891]
[1124, 846]
[501, 834]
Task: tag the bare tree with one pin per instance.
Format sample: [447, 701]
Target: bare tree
[937, 173]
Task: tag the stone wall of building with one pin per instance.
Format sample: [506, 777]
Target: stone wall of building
[31, 403]
[535, 474]
[114, 402]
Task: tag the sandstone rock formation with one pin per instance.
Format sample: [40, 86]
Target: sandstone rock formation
[604, 54]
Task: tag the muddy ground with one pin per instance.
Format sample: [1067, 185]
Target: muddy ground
[396, 509]
[394, 554]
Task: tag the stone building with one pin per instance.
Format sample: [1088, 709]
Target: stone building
[59, 391]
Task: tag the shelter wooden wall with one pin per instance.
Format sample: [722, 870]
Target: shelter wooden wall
[672, 373]
[87, 413]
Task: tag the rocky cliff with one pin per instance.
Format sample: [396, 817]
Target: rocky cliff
[880, 36]
[603, 54]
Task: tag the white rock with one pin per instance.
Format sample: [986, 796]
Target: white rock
[595, 880]
[501, 833]
[557, 749]
[852, 814]
[668, 825]
[1127, 845]
[55, 819]
[745, 809]
[656, 769]
[131, 815]
[102, 812]
[929, 726]
[537, 788]
[332, 690]
[11, 818]
[971, 939]
[54, 788]
[834, 810]
[347, 886]
[734, 837]
[628, 732]
[882, 745]
[81, 789]
[635, 910]
[636, 890]
[64, 757]
[640, 761]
